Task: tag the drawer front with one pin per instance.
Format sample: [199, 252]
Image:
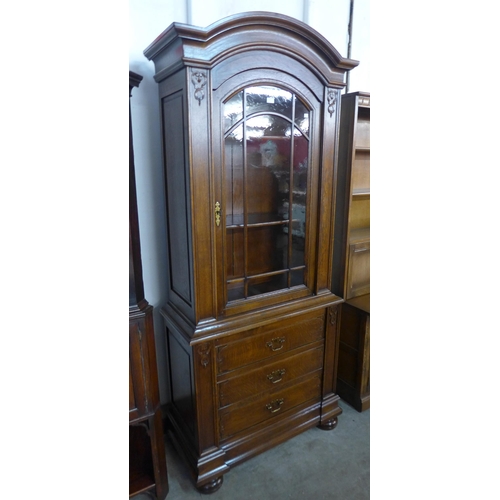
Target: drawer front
[270, 341]
[236, 418]
[271, 376]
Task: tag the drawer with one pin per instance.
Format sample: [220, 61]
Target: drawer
[271, 340]
[268, 406]
[271, 376]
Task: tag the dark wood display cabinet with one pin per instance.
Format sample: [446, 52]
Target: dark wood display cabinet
[249, 119]
[147, 463]
[351, 268]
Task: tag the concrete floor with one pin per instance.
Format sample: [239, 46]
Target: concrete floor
[314, 465]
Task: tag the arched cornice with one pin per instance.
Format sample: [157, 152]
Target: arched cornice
[182, 44]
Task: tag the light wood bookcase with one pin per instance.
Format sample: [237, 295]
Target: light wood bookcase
[351, 268]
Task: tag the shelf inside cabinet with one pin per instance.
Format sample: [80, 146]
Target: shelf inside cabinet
[256, 220]
[265, 283]
[359, 235]
[361, 192]
[141, 484]
[141, 471]
[362, 302]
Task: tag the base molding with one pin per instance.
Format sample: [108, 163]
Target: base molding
[351, 396]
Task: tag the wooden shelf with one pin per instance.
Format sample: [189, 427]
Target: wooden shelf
[361, 192]
[362, 302]
[141, 484]
[359, 235]
[257, 220]
[269, 137]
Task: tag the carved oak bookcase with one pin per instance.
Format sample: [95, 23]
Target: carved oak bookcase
[147, 462]
[249, 119]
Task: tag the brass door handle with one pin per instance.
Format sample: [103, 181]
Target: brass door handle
[276, 344]
[275, 405]
[217, 213]
[273, 377]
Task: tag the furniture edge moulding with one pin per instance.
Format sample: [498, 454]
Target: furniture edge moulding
[363, 98]
[184, 45]
[213, 328]
[136, 286]
[134, 80]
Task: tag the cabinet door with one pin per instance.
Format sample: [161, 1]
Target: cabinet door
[268, 162]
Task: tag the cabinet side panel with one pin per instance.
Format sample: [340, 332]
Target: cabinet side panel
[198, 109]
[328, 172]
[177, 198]
[182, 381]
[342, 198]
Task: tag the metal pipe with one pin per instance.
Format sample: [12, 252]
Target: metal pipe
[349, 42]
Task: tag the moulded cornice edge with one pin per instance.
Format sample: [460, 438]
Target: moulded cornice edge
[191, 37]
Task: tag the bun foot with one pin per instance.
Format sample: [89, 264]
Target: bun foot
[329, 424]
[212, 486]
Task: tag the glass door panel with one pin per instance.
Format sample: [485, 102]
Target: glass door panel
[266, 157]
[268, 140]
[265, 99]
[233, 153]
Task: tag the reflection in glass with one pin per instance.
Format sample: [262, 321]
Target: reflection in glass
[233, 110]
[265, 99]
[301, 116]
[233, 154]
[266, 158]
[268, 166]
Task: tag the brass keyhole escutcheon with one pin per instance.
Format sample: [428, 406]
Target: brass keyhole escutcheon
[217, 213]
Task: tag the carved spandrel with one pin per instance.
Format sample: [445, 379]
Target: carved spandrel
[204, 352]
[331, 98]
[199, 79]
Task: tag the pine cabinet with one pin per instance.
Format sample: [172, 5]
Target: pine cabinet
[249, 121]
[351, 267]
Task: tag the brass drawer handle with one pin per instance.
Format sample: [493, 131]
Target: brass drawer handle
[276, 344]
[275, 405]
[273, 377]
